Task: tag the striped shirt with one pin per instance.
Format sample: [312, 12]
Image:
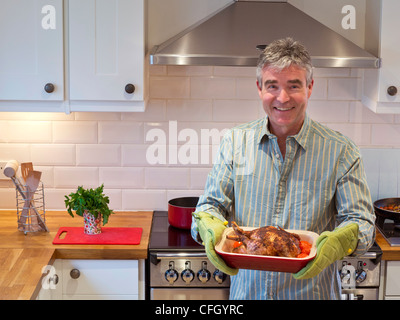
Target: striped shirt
[319, 184]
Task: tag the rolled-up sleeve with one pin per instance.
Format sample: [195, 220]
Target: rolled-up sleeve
[353, 199]
[218, 192]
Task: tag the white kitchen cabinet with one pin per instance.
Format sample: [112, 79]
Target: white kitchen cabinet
[96, 280]
[31, 55]
[392, 281]
[106, 55]
[89, 53]
[381, 87]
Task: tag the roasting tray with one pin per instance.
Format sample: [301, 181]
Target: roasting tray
[266, 263]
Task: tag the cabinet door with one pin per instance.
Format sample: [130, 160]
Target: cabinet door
[100, 279]
[106, 49]
[31, 55]
[392, 278]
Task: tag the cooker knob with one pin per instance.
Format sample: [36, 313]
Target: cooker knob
[361, 276]
[204, 275]
[171, 275]
[219, 276]
[187, 275]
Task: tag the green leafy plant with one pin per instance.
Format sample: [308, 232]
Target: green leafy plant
[92, 200]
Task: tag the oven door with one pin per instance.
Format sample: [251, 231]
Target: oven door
[360, 294]
[189, 293]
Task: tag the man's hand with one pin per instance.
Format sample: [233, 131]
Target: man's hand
[331, 246]
[210, 230]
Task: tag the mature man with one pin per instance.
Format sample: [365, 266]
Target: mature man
[287, 170]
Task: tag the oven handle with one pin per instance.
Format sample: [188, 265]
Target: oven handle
[161, 255]
[368, 255]
[155, 257]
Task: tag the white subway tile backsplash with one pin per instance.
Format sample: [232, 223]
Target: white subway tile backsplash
[75, 132]
[155, 111]
[166, 178]
[190, 70]
[127, 177]
[236, 110]
[249, 72]
[361, 114]
[198, 177]
[344, 89]
[72, 177]
[328, 111]
[212, 88]
[190, 108]
[98, 155]
[15, 151]
[320, 89]
[29, 131]
[145, 199]
[53, 154]
[120, 132]
[134, 155]
[386, 135]
[246, 88]
[359, 133]
[169, 87]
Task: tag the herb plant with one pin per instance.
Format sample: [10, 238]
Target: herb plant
[92, 200]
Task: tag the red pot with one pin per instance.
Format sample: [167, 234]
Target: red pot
[180, 211]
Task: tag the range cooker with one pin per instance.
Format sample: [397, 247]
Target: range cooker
[178, 268]
[360, 276]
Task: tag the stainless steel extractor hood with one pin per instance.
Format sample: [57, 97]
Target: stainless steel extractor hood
[231, 36]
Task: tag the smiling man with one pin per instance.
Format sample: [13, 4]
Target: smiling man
[289, 171]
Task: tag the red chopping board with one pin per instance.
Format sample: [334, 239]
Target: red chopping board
[108, 235]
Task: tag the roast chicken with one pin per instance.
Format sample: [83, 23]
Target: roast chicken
[269, 241]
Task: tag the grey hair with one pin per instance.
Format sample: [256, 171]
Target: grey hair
[283, 53]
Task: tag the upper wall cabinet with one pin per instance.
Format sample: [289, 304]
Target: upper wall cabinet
[381, 87]
[106, 54]
[31, 54]
[72, 55]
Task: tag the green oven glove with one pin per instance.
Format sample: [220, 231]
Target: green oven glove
[331, 246]
[210, 230]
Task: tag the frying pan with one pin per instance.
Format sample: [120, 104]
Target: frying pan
[387, 214]
[180, 211]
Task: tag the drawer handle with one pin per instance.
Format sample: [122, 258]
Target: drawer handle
[75, 273]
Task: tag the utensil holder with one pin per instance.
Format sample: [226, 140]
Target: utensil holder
[29, 206]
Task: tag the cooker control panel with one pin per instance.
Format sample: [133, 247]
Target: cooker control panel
[191, 269]
[358, 272]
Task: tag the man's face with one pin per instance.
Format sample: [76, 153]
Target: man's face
[284, 96]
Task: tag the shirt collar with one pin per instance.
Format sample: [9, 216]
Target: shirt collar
[301, 137]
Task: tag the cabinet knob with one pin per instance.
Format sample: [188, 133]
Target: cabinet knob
[392, 91]
[75, 273]
[54, 279]
[130, 88]
[49, 87]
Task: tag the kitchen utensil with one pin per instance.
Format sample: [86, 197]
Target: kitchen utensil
[180, 211]
[108, 235]
[266, 263]
[26, 167]
[32, 182]
[387, 214]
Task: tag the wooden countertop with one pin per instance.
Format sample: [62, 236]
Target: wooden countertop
[388, 252]
[22, 257]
